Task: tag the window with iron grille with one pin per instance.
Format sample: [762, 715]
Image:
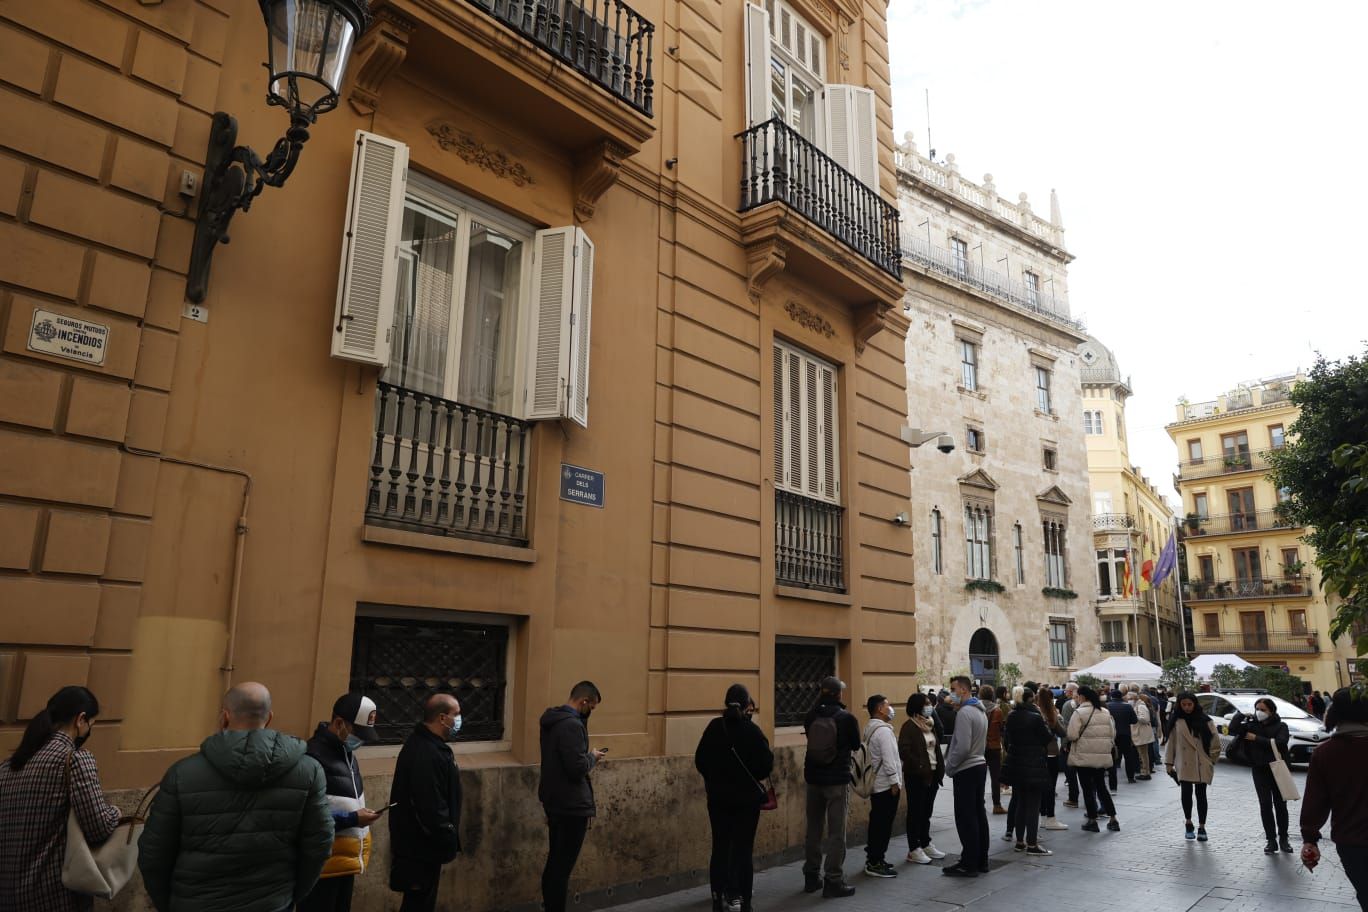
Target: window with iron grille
[399, 663]
[798, 672]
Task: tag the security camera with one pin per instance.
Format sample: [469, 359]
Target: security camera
[945, 443]
[915, 437]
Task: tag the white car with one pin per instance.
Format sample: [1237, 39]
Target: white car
[1304, 730]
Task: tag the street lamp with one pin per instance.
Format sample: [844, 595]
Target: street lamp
[309, 43]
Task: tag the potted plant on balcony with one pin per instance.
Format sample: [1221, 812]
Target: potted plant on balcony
[1293, 570]
[1202, 588]
[1223, 589]
[1193, 522]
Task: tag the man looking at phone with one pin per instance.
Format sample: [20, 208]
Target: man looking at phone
[426, 806]
[566, 793]
[333, 745]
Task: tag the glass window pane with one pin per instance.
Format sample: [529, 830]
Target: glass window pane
[803, 109]
[422, 312]
[489, 327]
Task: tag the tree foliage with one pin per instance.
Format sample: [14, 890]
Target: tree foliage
[1277, 682]
[1178, 674]
[1008, 675]
[1324, 471]
[1225, 677]
[1093, 681]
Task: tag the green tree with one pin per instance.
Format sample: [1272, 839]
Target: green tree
[1087, 680]
[1323, 472]
[1008, 675]
[1178, 674]
[1274, 681]
[1225, 677]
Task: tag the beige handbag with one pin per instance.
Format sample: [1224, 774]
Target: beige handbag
[1282, 775]
[102, 870]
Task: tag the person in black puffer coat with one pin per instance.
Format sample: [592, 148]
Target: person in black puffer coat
[1025, 739]
[1260, 733]
[733, 757]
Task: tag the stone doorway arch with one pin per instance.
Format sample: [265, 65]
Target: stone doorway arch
[983, 656]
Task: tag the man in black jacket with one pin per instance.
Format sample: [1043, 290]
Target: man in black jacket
[566, 793]
[832, 733]
[424, 825]
[1125, 717]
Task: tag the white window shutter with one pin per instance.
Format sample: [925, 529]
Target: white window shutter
[757, 40]
[553, 272]
[364, 314]
[581, 299]
[830, 454]
[852, 136]
[781, 428]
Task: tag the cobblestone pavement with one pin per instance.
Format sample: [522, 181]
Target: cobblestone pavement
[1148, 866]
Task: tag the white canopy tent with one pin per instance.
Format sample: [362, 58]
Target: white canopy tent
[1203, 665]
[1124, 670]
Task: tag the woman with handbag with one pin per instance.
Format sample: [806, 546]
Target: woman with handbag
[1264, 739]
[734, 757]
[1190, 758]
[47, 777]
[1092, 745]
[919, 747]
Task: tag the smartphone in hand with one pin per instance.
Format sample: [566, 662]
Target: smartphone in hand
[386, 807]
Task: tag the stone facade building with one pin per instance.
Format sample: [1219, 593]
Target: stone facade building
[1251, 585]
[534, 370]
[1131, 522]
[1001, 525]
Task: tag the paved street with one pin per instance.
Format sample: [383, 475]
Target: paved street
[1148, 866]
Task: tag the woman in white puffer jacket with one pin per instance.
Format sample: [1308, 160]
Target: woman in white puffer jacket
[1092, 732]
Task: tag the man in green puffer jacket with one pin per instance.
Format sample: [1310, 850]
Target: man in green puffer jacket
[243, 825]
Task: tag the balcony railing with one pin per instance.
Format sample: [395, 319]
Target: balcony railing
[808, 542]
[778, 164]
[1231, 523]
[1113, 522]
[989, 281]
[1225, 590]
[1260, 641]
[445, 468]
[1115, 646]
[606, 41]
[1212, 466]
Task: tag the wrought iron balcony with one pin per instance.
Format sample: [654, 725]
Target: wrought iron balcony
[448, 469]
[1235, 523]
[1295, 641]
[1115, 646]
[1113, 522]
[1225, 590]
[606, 41]
[808, 542]
[1213, 466]
[778, 164]
[923, 253]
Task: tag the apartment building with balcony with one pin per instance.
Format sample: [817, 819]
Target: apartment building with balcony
[1251, 586]
[572, 348]
[1001, 525]
[1131, 521]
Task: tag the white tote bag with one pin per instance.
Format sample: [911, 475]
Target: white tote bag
[1283, 776]
[102, 870]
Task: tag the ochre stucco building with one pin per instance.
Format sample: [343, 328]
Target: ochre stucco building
[621, 401]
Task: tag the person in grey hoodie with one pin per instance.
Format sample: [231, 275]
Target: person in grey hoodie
[968, 771]
[882, 745]
[566, 793]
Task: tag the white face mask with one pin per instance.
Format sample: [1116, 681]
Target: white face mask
[1260, 715]
[928, 712]
[891, 713]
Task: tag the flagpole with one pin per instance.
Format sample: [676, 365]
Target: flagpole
[1158, 630]
[1182, 618]
[1135, 592]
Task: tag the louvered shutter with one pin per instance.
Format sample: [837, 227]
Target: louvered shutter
[781, 417]
[851, 131]
[364, 313]
[829, 452]
[757, 40]
[580, 311]
[806, 411]
[559, 325]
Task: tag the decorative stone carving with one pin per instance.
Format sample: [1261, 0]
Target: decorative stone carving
[764, 259]
[809, 319]
[474, 152]
[869, 321]
[596, 171]
[378, 55]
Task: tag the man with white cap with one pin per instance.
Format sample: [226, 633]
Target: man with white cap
[334, 745]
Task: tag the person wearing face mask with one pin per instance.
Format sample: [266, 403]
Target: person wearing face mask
[425, 821]
[243, 825]
[334, 745]
[36, 796]
[888, 782]
[919, 747]
[1260, 735]
[565, 790]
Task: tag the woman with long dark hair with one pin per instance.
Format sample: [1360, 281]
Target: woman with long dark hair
[47, 776]
[734, 757]
[1091, 736]
[1259, 734]
[1190, 758]
[1027, 769]
[1045, 702]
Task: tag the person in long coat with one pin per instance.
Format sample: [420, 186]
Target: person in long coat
[919, 747]
[1260, 734]
[1142, 732]
[1190, 758]
[1027, 769]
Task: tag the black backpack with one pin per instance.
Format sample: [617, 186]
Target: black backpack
[823, 741]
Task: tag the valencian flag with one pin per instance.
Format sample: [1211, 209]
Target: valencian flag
[1168, 560]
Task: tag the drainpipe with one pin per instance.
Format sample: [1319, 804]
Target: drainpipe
[239, 546]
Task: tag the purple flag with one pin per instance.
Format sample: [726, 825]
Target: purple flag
[1168, 559]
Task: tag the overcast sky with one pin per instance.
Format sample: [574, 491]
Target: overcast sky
[1209, 159]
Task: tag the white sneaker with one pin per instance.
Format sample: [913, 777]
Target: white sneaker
[933, 852]
[917, 856]
[1052, 823]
